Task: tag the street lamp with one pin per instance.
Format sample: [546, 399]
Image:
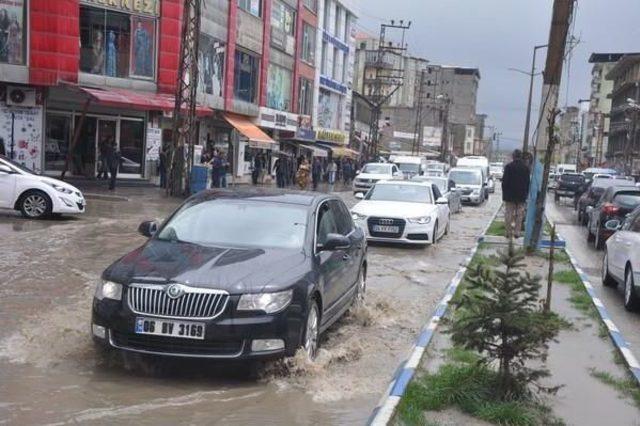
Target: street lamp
[527, 126]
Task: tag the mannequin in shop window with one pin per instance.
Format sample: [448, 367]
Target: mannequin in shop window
[112, 54]
[98, 54]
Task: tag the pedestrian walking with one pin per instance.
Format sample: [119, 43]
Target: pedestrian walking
[302, 176]
[515, 189]
[280, 169]
[346, 171]
[333, 170]
[216, 169]
[162, 165]
[316, 173]
[103, 168]
[2, 149]
[113, 161]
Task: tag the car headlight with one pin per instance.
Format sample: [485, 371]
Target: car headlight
[358, 216]
[109, 290]
[269, 303]
[423, 220]
[476, 192]
[60, 188]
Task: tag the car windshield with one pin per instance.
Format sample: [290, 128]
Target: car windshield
[377, 169]
[400, 192]
[409, 167]
[465, 177]
[238, 223]
[17, 166]
[629, 200]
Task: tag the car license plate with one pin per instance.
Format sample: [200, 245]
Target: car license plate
[161, 327]
[386, 229]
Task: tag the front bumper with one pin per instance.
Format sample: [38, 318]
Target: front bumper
[226, 337]
[69, 203]
[471, 198]
[362, 186]
[413, 233]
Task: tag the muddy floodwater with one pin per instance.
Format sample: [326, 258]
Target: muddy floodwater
[50, 372]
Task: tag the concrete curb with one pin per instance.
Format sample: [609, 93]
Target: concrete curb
[385, 409]
[614, 332]
[104, 197]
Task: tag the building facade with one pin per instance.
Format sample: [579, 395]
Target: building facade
[568, 135]
[623, 151]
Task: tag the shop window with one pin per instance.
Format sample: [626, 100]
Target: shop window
[13, 34]
[211, 66]
[254, 7]
[283, 17]
[246, 73]
[131, 146]
[279, 88]
[306, 97]
[117, 44]
[329, 109]
[308, 44]
[58, 135]
[311, 5]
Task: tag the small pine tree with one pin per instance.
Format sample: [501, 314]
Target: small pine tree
[498, 316]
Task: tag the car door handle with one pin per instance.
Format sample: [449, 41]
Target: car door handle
[346, 257]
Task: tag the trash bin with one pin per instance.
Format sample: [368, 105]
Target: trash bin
[199, 176]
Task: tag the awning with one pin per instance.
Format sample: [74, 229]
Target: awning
[341, 151]
[316, 150]
[257, 137]
[146, 101]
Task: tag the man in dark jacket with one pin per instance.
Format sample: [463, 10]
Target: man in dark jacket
[515, 189]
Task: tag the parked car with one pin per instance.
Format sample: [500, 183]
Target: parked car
[447, 188]
[34, 195]
[591, 196]
[480, 162]
[372, 173]
[615, 203]
[491, 185]
[569, 184]
[410, 166]
[403, 212]
[591, 172]
[470, 183]
[275, 272]
[621, 262]
[496, 170]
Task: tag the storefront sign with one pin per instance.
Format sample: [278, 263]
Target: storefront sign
[274, 119]
[305, 128]
[332, 40]
[26, 145]
[154, 143]
[333, 136]
[333, 85]
[147, 7]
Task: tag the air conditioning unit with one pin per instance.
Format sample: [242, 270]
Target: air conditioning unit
[21, 96]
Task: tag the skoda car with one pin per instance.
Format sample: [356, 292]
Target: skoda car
[234, 275]
[36, 196]
[405, 212]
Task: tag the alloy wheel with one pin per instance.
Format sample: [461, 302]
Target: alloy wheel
[311, 333]
[628, 286]
[35, 205]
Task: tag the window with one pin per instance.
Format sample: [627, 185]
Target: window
[306, 97]
[117, 44]
[346, 25]
[311, 4]
[13, 34]
[308, 50]
[327, 13]
[283, 17]
[58, 135]
[337, 29]
[279, 88]
[336, 63]
[342, 216]
[436, 192]
[246, 72]
[325, 58]
[635, 225]
[345, 67]
[326, 223]
[254, 7]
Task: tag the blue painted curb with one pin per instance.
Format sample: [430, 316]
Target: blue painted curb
[385, 409]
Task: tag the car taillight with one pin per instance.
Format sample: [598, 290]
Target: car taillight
[610, 209]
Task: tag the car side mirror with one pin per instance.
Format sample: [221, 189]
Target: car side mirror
[613, 225]
[148, 228]
[359, 195]
[335, 242]
[442, 200]
[6, 169]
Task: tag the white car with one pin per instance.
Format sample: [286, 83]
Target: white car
[403, 212]
[471, 184]
[496, 170]
[372, 173]
[621, 262]
[36, 196]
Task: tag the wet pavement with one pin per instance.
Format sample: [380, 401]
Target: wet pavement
[50, 372]
[590, 260]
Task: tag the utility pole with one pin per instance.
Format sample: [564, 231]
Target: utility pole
[527, 125]
[558, 34]
[419, 129]
[184, 112]
[444, 118]
[388, 79]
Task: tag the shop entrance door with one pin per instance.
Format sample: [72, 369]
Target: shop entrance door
[107, 134]
[84, 152]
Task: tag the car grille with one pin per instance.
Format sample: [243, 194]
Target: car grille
[176, 346]
[192, 303]
[80, 206]
[466, 191]
[400, 223]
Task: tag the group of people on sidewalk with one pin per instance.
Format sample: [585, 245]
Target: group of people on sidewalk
[302, 172]
[109, 161]
[515, 190]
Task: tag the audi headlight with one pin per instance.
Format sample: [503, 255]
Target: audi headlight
[423, 220]
[269, 303]
[358, 216]
[109, 290]
[60, 188]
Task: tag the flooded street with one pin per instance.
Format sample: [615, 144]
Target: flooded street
[50, 372]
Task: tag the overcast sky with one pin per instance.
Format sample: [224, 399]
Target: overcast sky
[495, 35]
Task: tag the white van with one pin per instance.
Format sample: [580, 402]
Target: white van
[481, 163]
[410, 166]
[566, 168]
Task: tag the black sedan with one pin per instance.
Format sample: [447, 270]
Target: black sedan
[234, 275]
[616, 203]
